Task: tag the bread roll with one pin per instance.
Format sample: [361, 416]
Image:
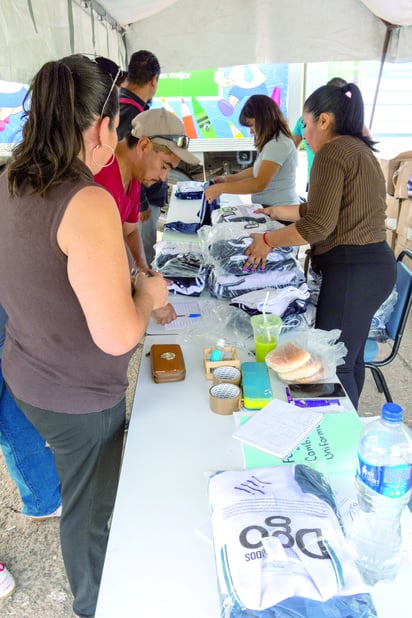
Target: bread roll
[307, 370]
[287, 357]
[315, 378]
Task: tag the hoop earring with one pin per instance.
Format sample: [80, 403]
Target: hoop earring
[112, 158]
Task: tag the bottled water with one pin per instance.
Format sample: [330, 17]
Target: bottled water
[383, 484]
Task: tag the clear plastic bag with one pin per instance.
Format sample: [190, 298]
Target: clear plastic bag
[182, 265]
[224, 285]
[309, 355]
[223, 247]
[178, 259]
[280, 547]
[241, 213]
[219, 320]
[377, 329]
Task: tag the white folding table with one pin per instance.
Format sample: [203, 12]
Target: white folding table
[159, 561]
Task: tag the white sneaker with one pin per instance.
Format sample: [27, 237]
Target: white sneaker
[56, 513]
[7, 583]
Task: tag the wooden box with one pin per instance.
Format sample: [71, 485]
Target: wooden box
[230, 359]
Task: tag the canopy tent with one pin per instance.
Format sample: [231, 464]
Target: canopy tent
[185, 36]
[188, 35]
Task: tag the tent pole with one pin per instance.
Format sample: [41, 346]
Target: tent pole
[389, 29]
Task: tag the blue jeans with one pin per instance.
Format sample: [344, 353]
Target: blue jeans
[29, 461]
[148, 232]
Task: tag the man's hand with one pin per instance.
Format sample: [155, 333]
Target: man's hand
[145, 215]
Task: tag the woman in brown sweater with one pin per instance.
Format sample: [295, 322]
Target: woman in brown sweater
[343, 221]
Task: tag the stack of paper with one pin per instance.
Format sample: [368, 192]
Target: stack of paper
[331, 446]
[278, 428]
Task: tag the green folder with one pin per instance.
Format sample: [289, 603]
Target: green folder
[331, 447]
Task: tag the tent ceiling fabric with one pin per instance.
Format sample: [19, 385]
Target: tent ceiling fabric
[397, 12]
[128, 11]
[189, 34]
[185, 37]
[26, 43]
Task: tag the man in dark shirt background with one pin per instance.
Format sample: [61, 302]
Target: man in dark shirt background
[135, 97]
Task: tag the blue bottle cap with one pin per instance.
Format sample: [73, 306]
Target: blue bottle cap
[392, 413]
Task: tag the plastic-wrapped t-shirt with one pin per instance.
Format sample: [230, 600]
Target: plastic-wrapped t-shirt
[280, 546]
[228, 255]
[283, 302]
[204, 216]
[226, 285]
[189, 190]
[182, 266]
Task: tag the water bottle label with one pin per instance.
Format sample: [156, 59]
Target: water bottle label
[389, 481]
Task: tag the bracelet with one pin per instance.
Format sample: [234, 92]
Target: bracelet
[266, 241]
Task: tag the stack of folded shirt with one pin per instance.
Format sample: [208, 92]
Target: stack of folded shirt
[189, 190]
[223, 285]
[204, 215]
[240, 213]
[227, 259]
[229, 256]
[183, 266]
[290, 300]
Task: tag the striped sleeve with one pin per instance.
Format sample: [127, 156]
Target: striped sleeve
[346, 200]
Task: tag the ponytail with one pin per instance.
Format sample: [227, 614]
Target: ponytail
[345, 103]
[64, 99]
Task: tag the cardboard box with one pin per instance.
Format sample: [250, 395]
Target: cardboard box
[389, 168]
[402, 243]
[391, 237]
[400, 179]
[404, 227]
[393, 205]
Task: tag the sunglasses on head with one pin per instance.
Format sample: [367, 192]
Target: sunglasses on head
[112, 69]
[181, 141]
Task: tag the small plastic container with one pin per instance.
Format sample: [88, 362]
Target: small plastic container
[218, 351]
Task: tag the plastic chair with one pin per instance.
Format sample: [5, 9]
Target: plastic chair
[395, 326]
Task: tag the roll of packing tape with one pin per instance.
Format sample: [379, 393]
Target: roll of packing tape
[227, 374]
[224, 398]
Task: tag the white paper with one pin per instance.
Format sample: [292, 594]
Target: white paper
[278, 428]
[183, 310]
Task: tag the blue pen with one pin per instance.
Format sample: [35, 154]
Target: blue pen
[191, 315]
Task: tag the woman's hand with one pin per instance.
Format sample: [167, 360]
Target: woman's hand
[155, 285]
[257, 253]
[212, 192]
[282, 213]
[165, 315]
[270, 211]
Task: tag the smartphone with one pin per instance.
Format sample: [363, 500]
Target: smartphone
[256, 386]
[316, 390]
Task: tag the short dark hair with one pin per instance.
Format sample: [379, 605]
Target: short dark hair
[143, 66]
